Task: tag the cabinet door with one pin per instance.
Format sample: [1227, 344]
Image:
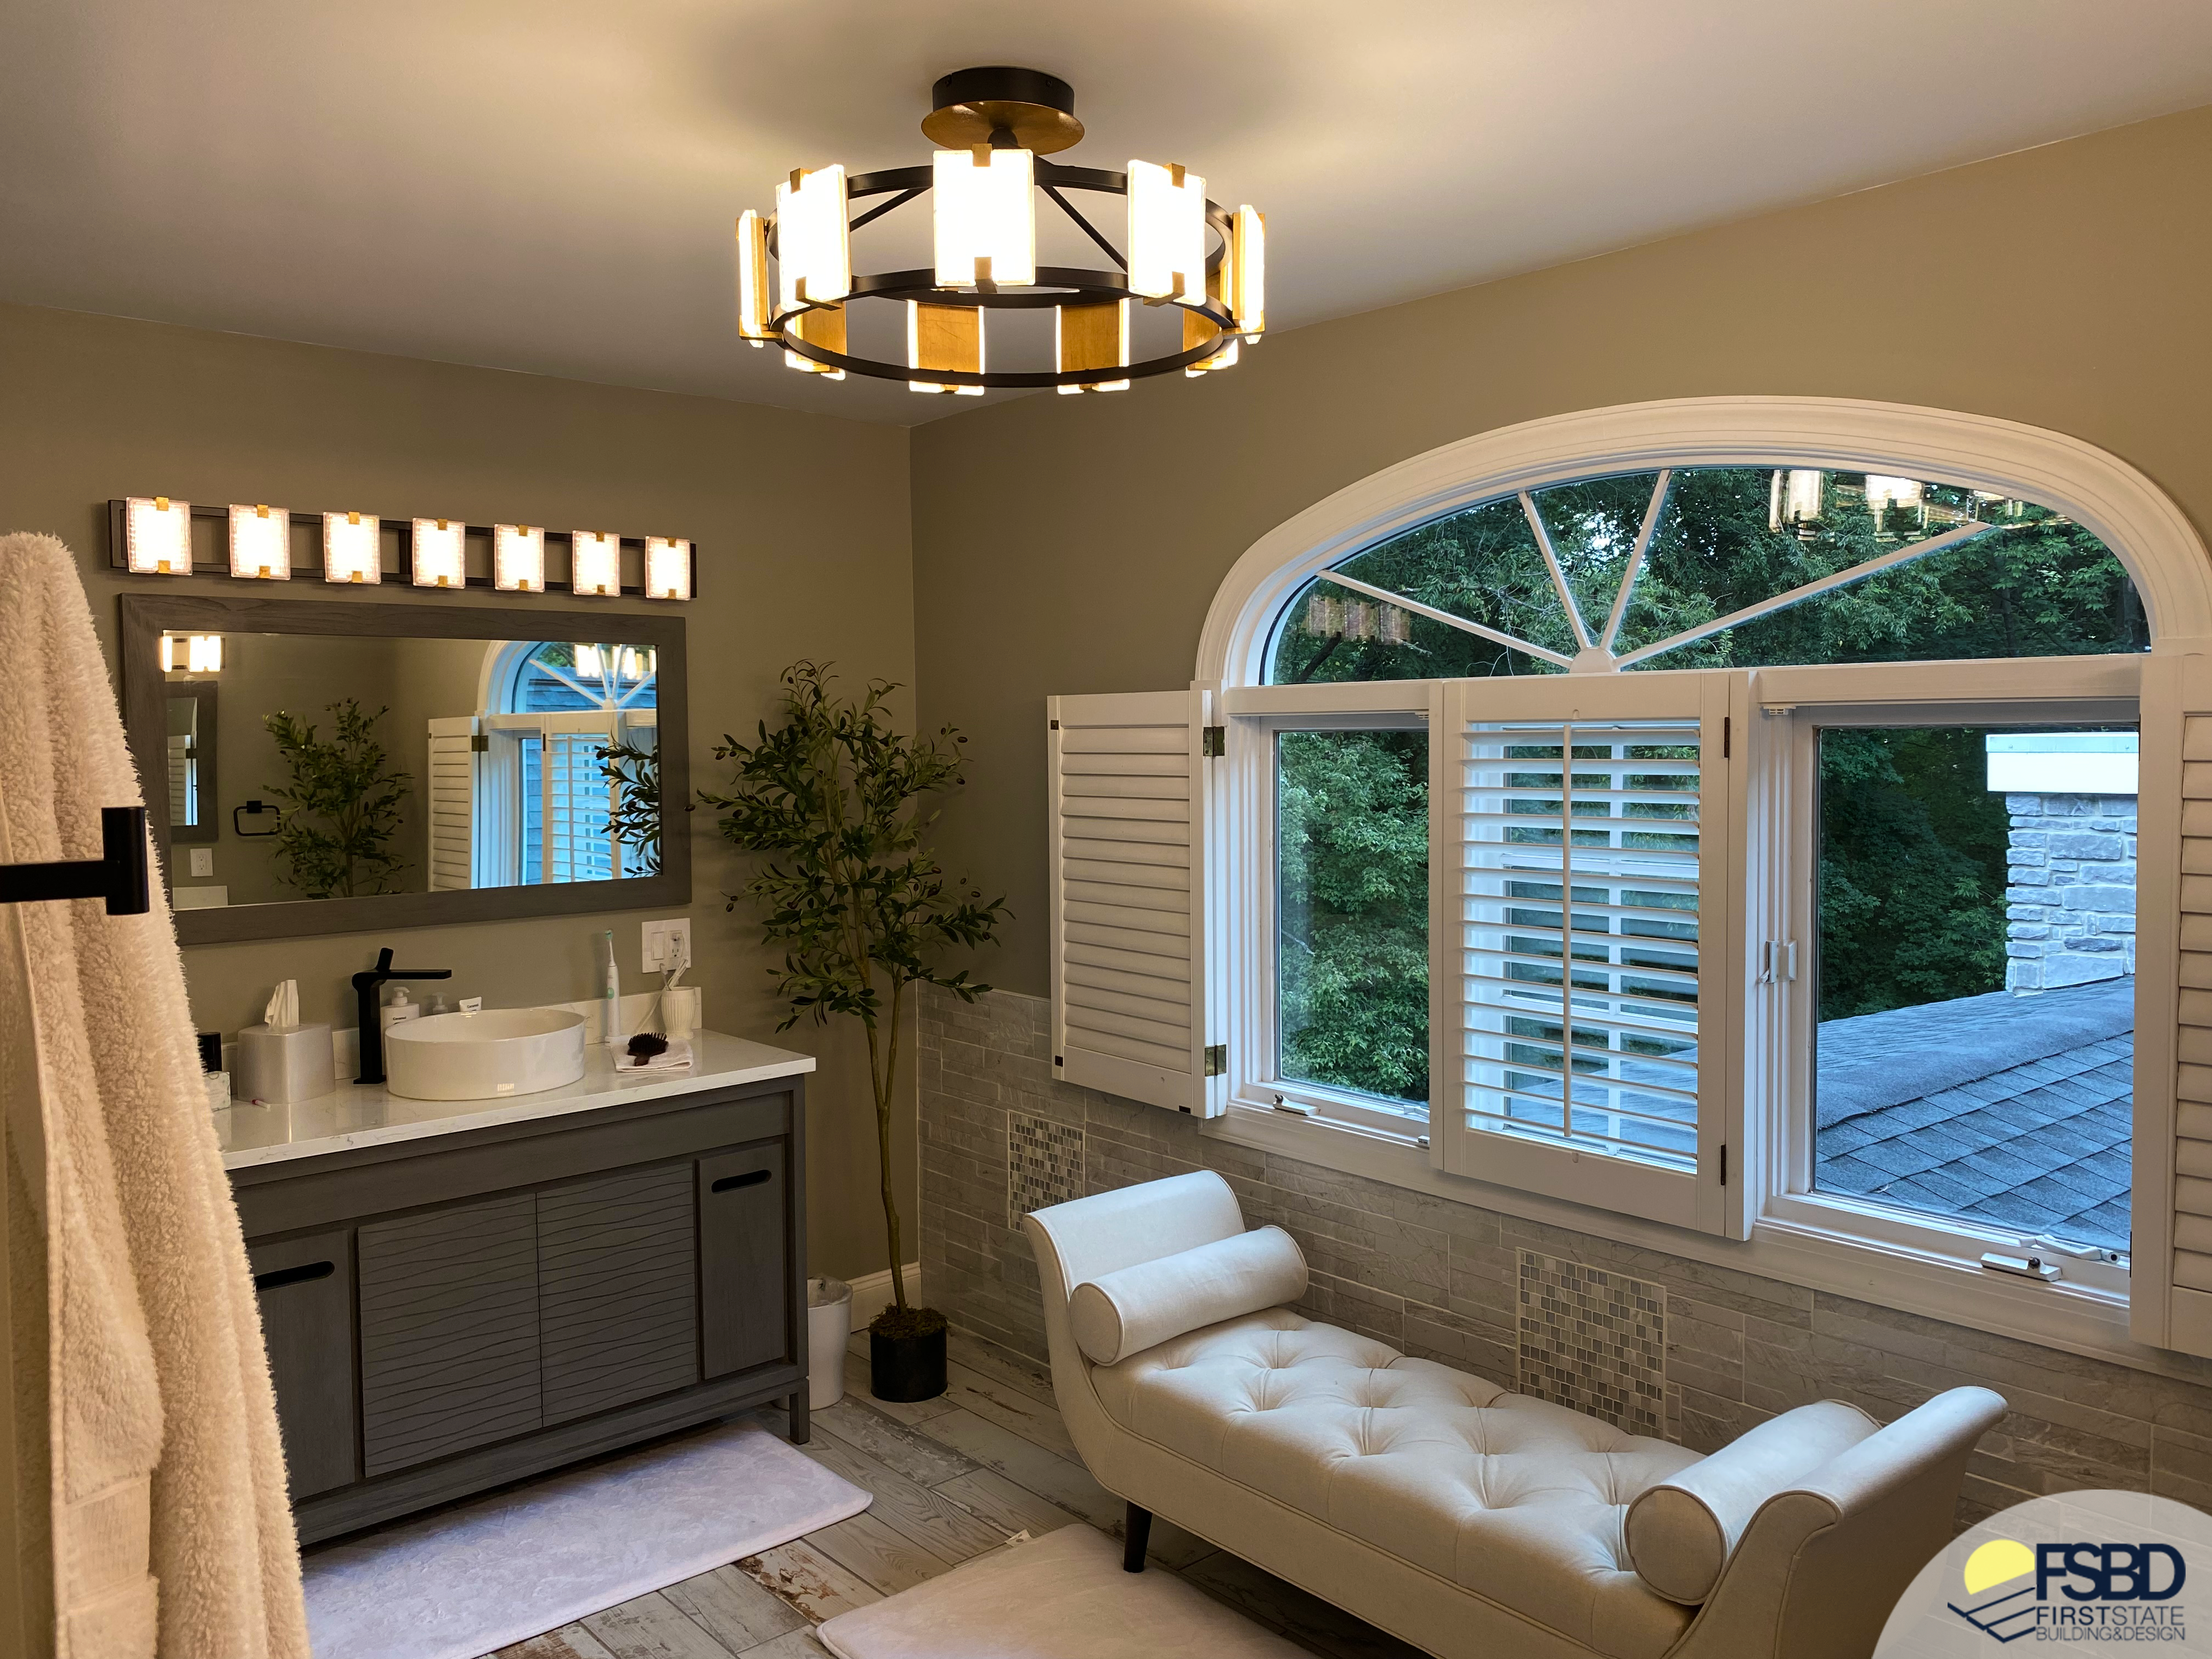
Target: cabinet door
[448, 1331]
[617, 1290]
[305, 1286]
[744, 1289]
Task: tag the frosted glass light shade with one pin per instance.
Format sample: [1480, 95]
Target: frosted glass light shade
[1247, 287]
[518, 558]
[261, 542]
[349, 548]
[157, 536]
[440, 553]
[667, 568]
[752, 279]
[1167, 233]
[191, 653]
[1092, 337]
[813, 246]
[596, 568]
[986, 217]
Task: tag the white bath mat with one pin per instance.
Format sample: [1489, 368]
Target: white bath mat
[472, 1579]
[1064, 1596]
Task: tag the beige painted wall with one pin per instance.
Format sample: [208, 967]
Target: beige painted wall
[803, 527]
[1066, 544]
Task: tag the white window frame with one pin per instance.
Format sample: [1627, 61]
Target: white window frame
[1850, 1248]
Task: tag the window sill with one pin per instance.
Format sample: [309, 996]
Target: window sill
[1957, 1289]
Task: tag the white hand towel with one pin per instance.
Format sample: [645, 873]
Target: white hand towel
[676, 1057]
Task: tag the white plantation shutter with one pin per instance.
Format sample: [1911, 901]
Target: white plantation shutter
[453, 803]
[578, 799]
[1590, 909]
[2170, 1274]
[184, 808]
[1128, 892]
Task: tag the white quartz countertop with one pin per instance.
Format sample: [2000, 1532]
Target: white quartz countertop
[371, 1116]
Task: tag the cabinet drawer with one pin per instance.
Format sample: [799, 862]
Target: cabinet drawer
[305, 1287]
[448, 1331]
[744, 1281]
[617, 1290]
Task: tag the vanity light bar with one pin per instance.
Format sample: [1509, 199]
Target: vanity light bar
[151, 535]
[436, 549]
[202, 653]
[261, 542]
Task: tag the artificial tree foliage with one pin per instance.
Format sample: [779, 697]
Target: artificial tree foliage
[839, 807]
[635, 820]
[340, 808]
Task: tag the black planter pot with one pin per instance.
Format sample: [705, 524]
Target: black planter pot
[906, 1367]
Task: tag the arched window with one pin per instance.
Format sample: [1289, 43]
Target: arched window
[1719, 814]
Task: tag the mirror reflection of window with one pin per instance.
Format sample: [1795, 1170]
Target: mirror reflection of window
[556, 779]
[184, 782]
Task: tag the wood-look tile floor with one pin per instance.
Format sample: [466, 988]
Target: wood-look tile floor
[953, 1477]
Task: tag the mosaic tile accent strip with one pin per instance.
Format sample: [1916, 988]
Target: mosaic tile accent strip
[1594, 1340]
[1044, 1165]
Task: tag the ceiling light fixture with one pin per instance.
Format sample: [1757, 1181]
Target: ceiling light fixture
[994, 128]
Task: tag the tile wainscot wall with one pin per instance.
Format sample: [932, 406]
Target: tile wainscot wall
[1650, 1341]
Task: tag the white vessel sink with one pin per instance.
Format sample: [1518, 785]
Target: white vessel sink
[484, 1056]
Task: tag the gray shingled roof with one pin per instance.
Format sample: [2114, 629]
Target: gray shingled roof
[2010, 1110]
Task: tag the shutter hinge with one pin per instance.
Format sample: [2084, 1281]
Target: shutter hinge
[1054, 725]
[479, 744]
[1057, 1060]
[1217, 1060]
[1215, 743]
[1728, 734]
[1724, 1163]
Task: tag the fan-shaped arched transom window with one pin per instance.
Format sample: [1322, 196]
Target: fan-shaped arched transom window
[1711, 567]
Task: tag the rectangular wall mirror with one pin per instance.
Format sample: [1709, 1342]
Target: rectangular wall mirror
[399, 765]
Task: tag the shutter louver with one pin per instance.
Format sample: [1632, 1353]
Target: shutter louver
[453, 794]
[1128, 886]
[1593, 829]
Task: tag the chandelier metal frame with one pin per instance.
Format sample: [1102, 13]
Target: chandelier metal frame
[1001, 109]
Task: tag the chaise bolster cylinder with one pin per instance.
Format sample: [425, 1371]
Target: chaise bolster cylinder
[1681, 1531]
[1143, 1305]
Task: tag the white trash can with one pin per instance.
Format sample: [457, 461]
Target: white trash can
[828, 1327]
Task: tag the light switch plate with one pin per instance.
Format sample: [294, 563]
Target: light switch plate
[203, 860]
[666, 945]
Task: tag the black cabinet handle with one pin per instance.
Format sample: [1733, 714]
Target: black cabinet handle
[300, 1275]
[750, 1178]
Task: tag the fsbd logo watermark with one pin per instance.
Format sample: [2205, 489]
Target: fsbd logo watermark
[2075, 1592]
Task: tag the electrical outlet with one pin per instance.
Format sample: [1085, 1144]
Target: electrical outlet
[666, 945]
[203, 860]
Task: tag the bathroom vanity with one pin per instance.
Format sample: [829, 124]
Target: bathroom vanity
[456, 1294]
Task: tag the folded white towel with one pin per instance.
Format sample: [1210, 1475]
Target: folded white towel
[676, 1057]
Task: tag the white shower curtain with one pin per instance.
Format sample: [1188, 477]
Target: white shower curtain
[151, 1479]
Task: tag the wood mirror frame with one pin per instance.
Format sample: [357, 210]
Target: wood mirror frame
[146, 618]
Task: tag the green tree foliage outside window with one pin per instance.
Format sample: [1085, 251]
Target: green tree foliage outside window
[635, 821]
[341, 806]
[1352, 828]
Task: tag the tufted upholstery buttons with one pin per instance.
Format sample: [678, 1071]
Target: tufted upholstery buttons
[1511, 1497]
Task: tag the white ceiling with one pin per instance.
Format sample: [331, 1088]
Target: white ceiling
[548, 184]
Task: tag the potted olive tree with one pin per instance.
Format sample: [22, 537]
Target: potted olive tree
[838, 806]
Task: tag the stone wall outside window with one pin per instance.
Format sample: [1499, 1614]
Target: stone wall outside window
[2071, 890]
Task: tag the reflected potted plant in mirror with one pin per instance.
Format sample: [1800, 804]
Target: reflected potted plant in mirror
[838, 806]
[340, 808]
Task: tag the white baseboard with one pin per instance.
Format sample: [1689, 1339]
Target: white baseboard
[871, 1293]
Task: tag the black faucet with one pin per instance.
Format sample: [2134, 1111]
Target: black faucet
[365, 988]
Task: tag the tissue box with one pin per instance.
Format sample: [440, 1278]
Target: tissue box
[280, 1063]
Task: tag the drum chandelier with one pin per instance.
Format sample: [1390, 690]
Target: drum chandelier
[994, 129]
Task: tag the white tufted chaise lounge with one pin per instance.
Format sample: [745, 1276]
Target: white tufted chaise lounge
[1471, 1521]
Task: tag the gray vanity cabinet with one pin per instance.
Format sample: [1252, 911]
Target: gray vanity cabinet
[454, 1312]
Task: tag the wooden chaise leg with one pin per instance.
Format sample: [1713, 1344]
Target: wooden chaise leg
[1136, 1536]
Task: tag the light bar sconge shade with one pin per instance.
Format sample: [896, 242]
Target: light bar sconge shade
[1248, 266]
[596, 565]
[191, 653]
[1167, 233]
[351, 553]
[261, 542]
[667, 568]
[942, 337]
[752, 279]
[985, 211]
[825, 328]
[813, 249]
[157, 536]
[1092, 337]
[518, 558]
[440, 553]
